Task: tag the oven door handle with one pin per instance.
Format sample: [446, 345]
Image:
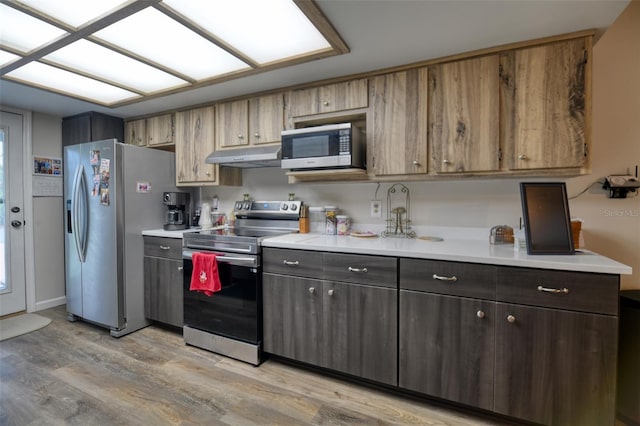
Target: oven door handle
[221, 257]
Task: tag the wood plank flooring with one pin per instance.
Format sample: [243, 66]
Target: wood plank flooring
[76, 373]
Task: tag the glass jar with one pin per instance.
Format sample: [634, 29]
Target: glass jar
[317, 217]
[331, 225]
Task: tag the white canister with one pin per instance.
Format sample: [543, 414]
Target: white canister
[318, 219]
[331, 225]
[205, 216]
[343, 224]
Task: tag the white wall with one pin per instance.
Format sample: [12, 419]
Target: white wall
[48, 220]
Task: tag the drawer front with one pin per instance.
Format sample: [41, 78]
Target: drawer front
[299, 263]
[363, 269]
[451, 278]
[170, 248]
[577, 291]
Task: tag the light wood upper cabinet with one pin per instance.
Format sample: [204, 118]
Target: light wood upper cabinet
[546, 103]
[464, 115]
[136, 132]
[330, 98]
[397, 132]
[194, 141]
[266, 119]
[232, 124]
[160, 130]
[252, 121]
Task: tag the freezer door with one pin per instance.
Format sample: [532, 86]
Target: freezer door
[73, 268]
[102, 282]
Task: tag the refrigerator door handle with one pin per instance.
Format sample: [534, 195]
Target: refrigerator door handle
[84, 188]
[79, 234]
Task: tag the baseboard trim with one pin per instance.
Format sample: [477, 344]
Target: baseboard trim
[51, 303]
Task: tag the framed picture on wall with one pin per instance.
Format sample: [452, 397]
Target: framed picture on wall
[547, 221]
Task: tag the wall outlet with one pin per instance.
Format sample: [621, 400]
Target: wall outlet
[376, 208]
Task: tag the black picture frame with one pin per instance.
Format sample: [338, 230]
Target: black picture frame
[547, 221]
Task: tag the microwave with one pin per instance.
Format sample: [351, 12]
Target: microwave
[329, 146]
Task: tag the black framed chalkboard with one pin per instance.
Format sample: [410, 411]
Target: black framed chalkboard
[547, 221]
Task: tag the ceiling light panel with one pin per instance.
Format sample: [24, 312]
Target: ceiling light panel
[266, 31]
[74, 12]
[91, 58]
[69, 83]
[7, 58]
[153, 35]
[23, 32]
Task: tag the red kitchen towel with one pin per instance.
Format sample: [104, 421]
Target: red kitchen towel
[204, 277]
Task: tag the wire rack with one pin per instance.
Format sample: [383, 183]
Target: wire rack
[398, 213]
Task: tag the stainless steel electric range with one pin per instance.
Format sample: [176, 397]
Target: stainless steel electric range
[230, 321]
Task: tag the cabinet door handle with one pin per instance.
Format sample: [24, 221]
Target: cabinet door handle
[511, 319]
[312, 290]
[180, 268]
[330, 292]
[240, 136]
[325, 103]
[291, 262]
[480, 314]
[256, 135]
[553, 290]
[362, 270]
[440, 278]
[445, 161]
[522, 157]
[416, 163]
[165, 248]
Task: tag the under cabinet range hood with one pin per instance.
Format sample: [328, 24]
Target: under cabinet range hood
[263, 156]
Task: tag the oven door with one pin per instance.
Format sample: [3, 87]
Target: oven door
[236, 310]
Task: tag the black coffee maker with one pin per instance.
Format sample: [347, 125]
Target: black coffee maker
[177, 215]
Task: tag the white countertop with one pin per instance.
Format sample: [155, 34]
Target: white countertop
[456, 248]
[167, 234]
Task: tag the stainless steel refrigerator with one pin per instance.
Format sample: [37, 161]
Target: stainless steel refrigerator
[112, 192]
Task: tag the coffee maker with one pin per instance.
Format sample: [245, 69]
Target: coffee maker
[177, 215]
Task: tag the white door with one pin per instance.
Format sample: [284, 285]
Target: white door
[12, 262]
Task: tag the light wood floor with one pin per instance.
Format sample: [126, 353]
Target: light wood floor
[76, 373]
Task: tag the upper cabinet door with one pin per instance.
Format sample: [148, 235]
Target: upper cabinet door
[232, 124]
[546, 101]
[136, 132]
[398, 135]
[266, 119]
[160, 130]
[194, 142]
[464, 115]
[330, 98]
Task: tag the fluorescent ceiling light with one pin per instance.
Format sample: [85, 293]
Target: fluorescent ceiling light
[23, 32]
[7, 58]
[99, 61]
[74, 12]
[174, 45]
[48, 77]
[115, 52]
[266, 31]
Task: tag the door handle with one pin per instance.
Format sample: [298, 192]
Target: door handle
[16, 223]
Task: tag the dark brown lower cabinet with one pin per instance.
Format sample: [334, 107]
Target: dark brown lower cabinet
[555, 367]
[292, 315]
[360, 330]
[447, 347]
[345, 327]
[163, 290]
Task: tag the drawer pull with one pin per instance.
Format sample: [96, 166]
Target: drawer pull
[330, 292]
[480, 314]
[165, 248]
[553, 290]
[312, 290]
[440, 278]
[362, 270]
[291, 263]
[511, 319]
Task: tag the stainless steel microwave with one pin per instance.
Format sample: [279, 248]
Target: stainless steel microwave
[323, 147]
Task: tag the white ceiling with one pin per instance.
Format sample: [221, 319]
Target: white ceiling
[380, 34]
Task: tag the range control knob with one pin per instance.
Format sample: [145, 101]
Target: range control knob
[238, 205]
[284, 206]
[294, 207]
[246, 205]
